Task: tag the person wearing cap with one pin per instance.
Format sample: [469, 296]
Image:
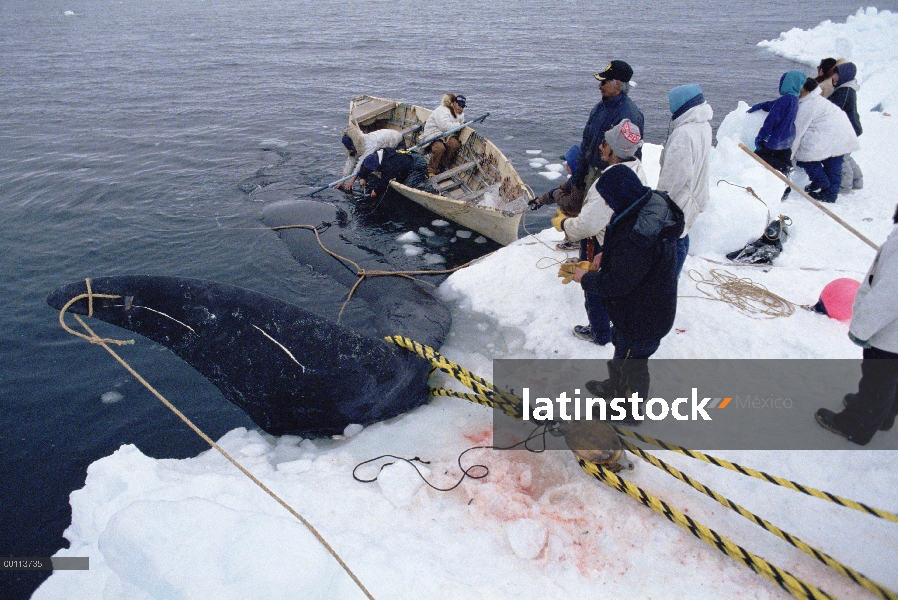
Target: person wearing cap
[823, 136]
[361, 145]
[618, 149]
[845, 97]
[685, 160]
[448, 115]
[408, 168]
[636, 279]
[615, 106]
[773, 144]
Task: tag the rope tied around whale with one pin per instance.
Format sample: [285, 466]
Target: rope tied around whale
[363, 273]
[488, 394]
[104, 343]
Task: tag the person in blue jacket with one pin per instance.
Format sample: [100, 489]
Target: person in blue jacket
[616, 105]
[636, 279]
[774, 140]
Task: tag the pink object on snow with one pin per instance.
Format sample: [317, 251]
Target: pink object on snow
[838, 296]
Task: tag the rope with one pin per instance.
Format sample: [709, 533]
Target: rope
[781, 577]
[741, 293]
[93, 338]
[363, 273]
[859, 506]
[837, 566]
[487, 394]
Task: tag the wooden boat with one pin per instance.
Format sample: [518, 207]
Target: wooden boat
[480, 191]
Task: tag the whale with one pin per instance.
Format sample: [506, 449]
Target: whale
[290, 370]
[293, 372]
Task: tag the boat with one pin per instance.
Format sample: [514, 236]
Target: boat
[480, 190]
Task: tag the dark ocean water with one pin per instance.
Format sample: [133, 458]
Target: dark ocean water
[131, 134]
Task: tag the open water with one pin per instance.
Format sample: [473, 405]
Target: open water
[146, 137]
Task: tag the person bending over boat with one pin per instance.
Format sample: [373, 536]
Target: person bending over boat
[618, 150]
[361, 145]
[408, 168]
[448, 115]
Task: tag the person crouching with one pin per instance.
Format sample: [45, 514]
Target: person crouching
[636, 279]
[408, 168]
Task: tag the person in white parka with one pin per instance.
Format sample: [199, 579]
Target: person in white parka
[445, 117]
[685, 160]
[823, 136]
[360, 146]
[874, 327]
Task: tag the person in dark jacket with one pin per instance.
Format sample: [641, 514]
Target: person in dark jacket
[614, 84]
[774, 140]
[409, 168]
[636, 279]
[845, 97]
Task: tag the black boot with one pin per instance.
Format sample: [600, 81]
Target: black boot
[634, 379]
[607, 388]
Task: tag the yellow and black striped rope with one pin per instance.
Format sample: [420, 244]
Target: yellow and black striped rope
[876, 512]
[829, 561]
[784, 579]
[504, 401]
[475, 398]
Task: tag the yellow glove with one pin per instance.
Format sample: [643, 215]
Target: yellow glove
[568, 270]
[558, 219]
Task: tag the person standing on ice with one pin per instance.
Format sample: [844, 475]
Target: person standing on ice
[874, 327]
[773, 143]
[615, 83]
[685, 160]
[823, 136]
[361, 145]
[845, 97]
[448, 115]
[619, 147]
[636, 279]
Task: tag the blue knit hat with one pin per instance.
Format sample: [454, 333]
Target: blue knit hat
[347, 141]
[371, 162]
[682, 94]
[620, 187]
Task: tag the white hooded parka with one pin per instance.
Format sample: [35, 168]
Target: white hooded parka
[822, 130]
[685, 161]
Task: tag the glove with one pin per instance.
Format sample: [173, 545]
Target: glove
[568, 270]
[533, 204]
[558, 220]
[862, 343]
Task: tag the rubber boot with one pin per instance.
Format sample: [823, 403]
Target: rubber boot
[607, 388]
[634, 378]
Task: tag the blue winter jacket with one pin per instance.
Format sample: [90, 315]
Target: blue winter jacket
[637, 280]
[604, 115]
[778, 130]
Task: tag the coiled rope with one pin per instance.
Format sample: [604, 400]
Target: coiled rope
[742, 293]
[487, 394]
[104, 343]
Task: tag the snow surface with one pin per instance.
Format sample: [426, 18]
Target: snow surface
[537, 526]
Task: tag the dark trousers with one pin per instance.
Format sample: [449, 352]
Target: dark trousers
[778, 159]
[629, 367]
[417, 177]
[876, 402]
[682, 251]
[826, 176]
[599, 320]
